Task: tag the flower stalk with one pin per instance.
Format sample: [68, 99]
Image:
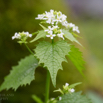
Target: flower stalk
[28, 49]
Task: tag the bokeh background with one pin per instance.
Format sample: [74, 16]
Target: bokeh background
[19, 15]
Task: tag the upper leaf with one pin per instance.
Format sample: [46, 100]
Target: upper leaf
[74, 98]
[69, 36]
[52, 55]
[76, 57]
[21, 74]
[41, 34]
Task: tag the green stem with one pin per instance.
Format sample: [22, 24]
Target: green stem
[52, 41]
[29, 49]
[47, 87]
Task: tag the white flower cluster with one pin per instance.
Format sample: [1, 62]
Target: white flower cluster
[71, 25]
[54, 17]
[54, 31]
[67, 88]
[21, 35]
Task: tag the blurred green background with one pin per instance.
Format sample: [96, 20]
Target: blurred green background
[19, 15]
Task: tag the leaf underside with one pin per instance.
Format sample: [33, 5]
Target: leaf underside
[76, 57]
[52, 55]
[21, 74]
[69, 36]
[74, 98]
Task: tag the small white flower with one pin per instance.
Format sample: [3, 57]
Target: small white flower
[21, 35]
[66, 84]
[65, 23]
[72, 90]
[71, 25]
[16, 36]
[40, 16]
[13, 37]
[58, 19]
[60, 98]
[49, 20]
[49, 30]
[26, 34]
[60, 34]
[55, 27]
[51, 36]
[75, 28]
[52, 98]
[63, 17]
[30, 35]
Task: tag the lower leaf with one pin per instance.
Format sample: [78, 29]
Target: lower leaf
[76, 57]
[21, 74]
[74, 98]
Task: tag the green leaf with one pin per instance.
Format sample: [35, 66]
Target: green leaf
[76, 35]
[41, 34]
[43, 26]
[75, 84]
[76, 57]
[35, 33]
[69, 36]
[59, 90]
[52, 55]
[37, 99]
[21, 74]
[75, 97]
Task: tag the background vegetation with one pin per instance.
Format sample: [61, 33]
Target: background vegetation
[19, 15]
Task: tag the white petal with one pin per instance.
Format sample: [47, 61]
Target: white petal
[50, 32]
[60, 98]
[66, 84]
[13, 37]
[47, 35]
[51, 37]
[46, 30]
[30, 35]
[72, 90]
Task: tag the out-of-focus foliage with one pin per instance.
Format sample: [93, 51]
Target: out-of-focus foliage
[95, 98]
[93, 32]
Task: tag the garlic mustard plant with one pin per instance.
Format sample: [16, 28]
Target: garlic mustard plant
[50, 53]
